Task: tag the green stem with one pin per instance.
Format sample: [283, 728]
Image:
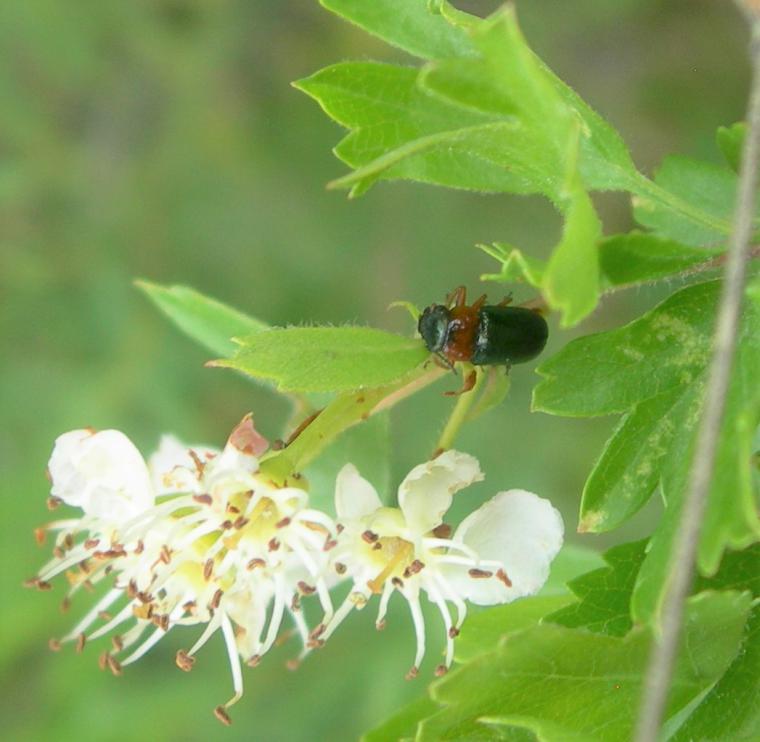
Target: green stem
[461, 410]
[346, 410]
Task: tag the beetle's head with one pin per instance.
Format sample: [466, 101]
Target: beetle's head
[433, 324]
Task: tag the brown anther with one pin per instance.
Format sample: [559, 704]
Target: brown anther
[340, 568]
[203, 499]
[479, 573]
[273, 544]
[132, 589]
[199, 465]
[278, 444]
[502, 575]
[315, 643]
[413, 673]
[117, 643]
[225, 525]
[216, 599]
[165, 555]
[256, 562]
[240, 522]
[370, 537]
[103, 660]
[292, 665]
[79, 646]
[414, 568]
[377, 546]
[55, 645]
[184, 661]
[305, 588]
[397, 582]
[380, 625]
[39, 535]
[162, 621]
[140, 548]
[453, 632]
[282, 523]
[113, 664]
[221, 714]
[330, 544]
[91, 543]
[58, 552]
[108, 569]
[104, 616]
[44, 585]
[317, 631]
[232, 509]
[296, 475]
[68, 541]
[442, 531]
[65, 604]
[53, 502]
[440, 671]
[339, 527]
[144, 597]
[190, 606]
[208, 569]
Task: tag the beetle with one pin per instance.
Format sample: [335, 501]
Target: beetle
[482, 334]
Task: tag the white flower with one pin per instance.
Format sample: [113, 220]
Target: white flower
[500, 552]
[102, 473]
[224, 547]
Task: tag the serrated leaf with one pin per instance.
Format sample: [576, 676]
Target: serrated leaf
[605, 594]
[654, 371]
[410, 25]
[572, 684]
[709, 189]
[636, 258]
[327, 359]
[205, 320]
[730, 140]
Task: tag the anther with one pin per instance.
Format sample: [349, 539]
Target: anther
[232, 509]
[370, 537]
[295, 604]
[502, 575]
[414, 671]
[166, 555]
[442, 531]
[453, 632]
[397, 582]
[39, 535]
[380, 625]
[282, 523]
[415, 567]
[53, 502]
[203, 499]
[256, 562]
[117, 643]
[254, 661]
[65, 604]
[377, 546]
[273, 544]
[340, 568]
[103, 660]
[479, 573]
[184, 661]
[305, 588]
[140, 548]
[226, 525]
[208, 569]
[81, 639]
[113, 664]
[91, 543]
[216, 599]
[331, 543]
[317, 631]
[440, 671]
[292, 665]
[68, 541]
[240, 522]
[221, 714]
[58, 552]
[54, 645]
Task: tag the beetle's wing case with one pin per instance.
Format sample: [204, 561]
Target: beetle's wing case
[509, 335]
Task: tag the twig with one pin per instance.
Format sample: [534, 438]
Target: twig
[681, 569]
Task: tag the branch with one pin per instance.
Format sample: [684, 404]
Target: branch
[681, 570]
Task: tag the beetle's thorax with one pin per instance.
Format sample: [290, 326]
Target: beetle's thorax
[462, 332]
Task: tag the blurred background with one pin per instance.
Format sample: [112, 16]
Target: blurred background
[161, 139]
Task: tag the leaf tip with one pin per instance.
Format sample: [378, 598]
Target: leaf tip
[590, 522]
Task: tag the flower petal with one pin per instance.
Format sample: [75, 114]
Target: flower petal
[426, 493]
[103, 473]
[517, 528]
[355, 497]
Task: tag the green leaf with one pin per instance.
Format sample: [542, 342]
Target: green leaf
[730, 140]
[739, 570]
[605, 594]
[572, 684]
[708, 188]
[730, 712]
[653, 370]
[636, 258]
[402, 726]
[327, 359]
[410, 25]
[571, 562]
[207, 321]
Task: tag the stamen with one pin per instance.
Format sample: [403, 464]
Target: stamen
[479, 574]
[184, 661]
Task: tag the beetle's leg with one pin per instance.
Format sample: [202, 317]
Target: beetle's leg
[469, 383]
[479, 302]
[506, 301]
[458, 297]
[441, 361]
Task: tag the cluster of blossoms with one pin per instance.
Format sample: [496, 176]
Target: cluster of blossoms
[198, 536]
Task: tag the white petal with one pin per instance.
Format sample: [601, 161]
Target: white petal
[172, 468]
[355, 497]
[521, 531]
[103, 473]
[426, 493]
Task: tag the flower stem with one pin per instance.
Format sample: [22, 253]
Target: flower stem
[460, 411]
[683, 557]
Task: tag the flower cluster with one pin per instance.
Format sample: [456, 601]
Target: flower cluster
[198, 536]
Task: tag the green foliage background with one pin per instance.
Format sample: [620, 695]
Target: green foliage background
[161, 139]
